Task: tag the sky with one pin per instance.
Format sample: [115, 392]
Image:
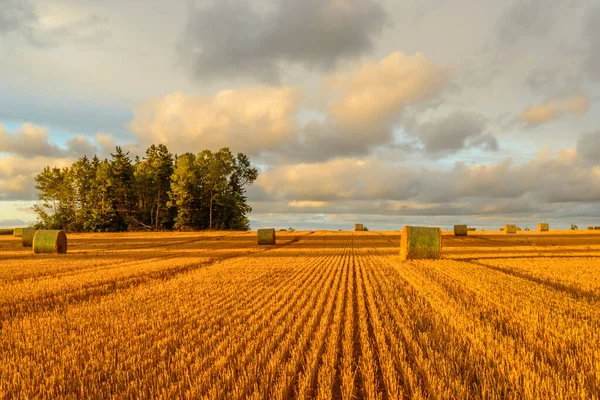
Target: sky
[385, 112]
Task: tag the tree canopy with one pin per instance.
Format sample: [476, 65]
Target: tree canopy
[158, 191]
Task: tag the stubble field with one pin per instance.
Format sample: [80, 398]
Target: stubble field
[320, 315]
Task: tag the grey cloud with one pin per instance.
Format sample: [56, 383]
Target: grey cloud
[19, 17]
[592, 34]
[81, 145]
[319, 141]
[588, 147]
[230, 38]
[29, 141]
[504, 188]
[458, 131]
[526, 19]
[11, 223]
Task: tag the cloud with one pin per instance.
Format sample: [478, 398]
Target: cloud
[359, 110]
[32, 141]
[22, 19]
[588, 147]
[29, 141]
[16, 16]
[11, 223]
[364, 104]
[374, 93]
[592, 35]
[250, 120]
[17, 175]
[455, 132]
[550, 182]
[527, 19]
[554, 109]
[229, 39]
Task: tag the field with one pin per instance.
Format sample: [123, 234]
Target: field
[320, 315]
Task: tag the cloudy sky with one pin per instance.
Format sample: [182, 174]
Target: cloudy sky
[386, 112]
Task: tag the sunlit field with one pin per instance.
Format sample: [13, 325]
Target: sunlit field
[319, 315]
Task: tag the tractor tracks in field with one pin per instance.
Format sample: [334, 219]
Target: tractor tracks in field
[571, 290]
[64, 295]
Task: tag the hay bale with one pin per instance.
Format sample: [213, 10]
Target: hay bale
[50, 242]
[510, 229]
[358, 227]
[266, 236]
[420, 243]
[27, 237]
[590, 228]
[18, 232]
[543, 227]
[6, 231]
[460, 230]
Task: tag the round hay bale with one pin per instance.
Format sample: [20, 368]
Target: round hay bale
[510, 229]
[358, 227]
[418, 243]
[18, 232]
[543, 227]
[266, 236]
[460, 230]
[50, 242]
[27, 237]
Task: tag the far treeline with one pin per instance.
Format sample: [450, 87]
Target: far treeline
[158, 191]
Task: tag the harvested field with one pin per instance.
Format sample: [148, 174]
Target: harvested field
[318, 315]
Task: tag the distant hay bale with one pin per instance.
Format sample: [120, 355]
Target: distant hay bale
[510, 229]
[358, 227]
[590, 228]
[460, 230]
[6, 231]
[543, 227]
[27, 237]
[471, 229]
[50, 242]
[18, 232]
[420, 243]
[266, 236]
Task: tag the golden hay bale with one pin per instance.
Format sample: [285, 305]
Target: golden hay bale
[420, 243]
[18, 232]
[543, 227]
[460, 230]
[50, 242]
[27, 237]
[266, 236]
[358, 227]
[510, 229]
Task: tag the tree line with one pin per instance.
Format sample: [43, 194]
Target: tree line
[157, 191]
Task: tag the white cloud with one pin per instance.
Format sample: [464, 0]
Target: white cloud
[250, 120]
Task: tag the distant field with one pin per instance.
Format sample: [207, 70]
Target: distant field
[320, 315]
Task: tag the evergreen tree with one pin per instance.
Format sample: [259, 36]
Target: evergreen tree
[159, 191]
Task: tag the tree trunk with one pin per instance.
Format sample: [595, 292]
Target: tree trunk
[157, 209]
[210, 212]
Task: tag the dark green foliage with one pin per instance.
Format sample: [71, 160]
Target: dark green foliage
[159, 191]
